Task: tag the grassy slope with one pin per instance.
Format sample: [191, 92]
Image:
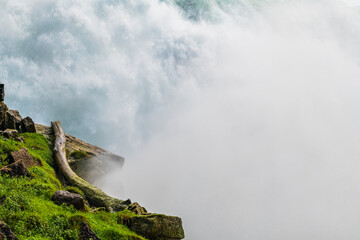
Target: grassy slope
[28, 209]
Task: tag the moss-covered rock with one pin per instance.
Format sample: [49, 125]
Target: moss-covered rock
[154, 226]
[137, 209]
[78, 154]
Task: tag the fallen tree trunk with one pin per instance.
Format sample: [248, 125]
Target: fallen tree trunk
[94, 195]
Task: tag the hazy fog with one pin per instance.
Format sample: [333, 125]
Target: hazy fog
[241, 117]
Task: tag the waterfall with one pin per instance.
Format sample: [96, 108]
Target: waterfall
[240, 116]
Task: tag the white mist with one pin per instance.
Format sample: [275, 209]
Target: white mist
[245, 123]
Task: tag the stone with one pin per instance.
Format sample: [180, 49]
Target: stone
[3, 110]
[2, 92]
[27, 125]
[6, 233]
[60, 197]
[13, 119]
[10, 133]
[136, 208]
[15, 169]
[23, 156]
[19, 161]
[86, 233]
[154, 226]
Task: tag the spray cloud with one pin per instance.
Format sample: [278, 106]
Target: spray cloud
[239, 116]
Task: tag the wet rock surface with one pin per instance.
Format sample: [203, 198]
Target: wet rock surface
[60, 197]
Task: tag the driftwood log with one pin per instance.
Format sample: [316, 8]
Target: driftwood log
[94, 195]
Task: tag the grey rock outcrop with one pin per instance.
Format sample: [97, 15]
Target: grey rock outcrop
[3, 110]
[13, 119]
[28, 125]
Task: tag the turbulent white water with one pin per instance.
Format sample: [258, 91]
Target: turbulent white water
[241, 117]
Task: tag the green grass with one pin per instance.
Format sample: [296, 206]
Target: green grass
[29, 211]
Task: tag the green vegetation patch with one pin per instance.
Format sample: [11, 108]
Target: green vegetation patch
[26, 206]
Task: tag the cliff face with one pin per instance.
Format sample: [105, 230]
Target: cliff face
[88, 161]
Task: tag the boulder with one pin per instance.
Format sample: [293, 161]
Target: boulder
[13, 119]
[6, 233]
[136, 208]
[10, 133]
[3, 110]
[19, 161]
[22, 156]
[15, 169]
[27, 125]
[154, 226]
[60, 197]
[86, 233]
